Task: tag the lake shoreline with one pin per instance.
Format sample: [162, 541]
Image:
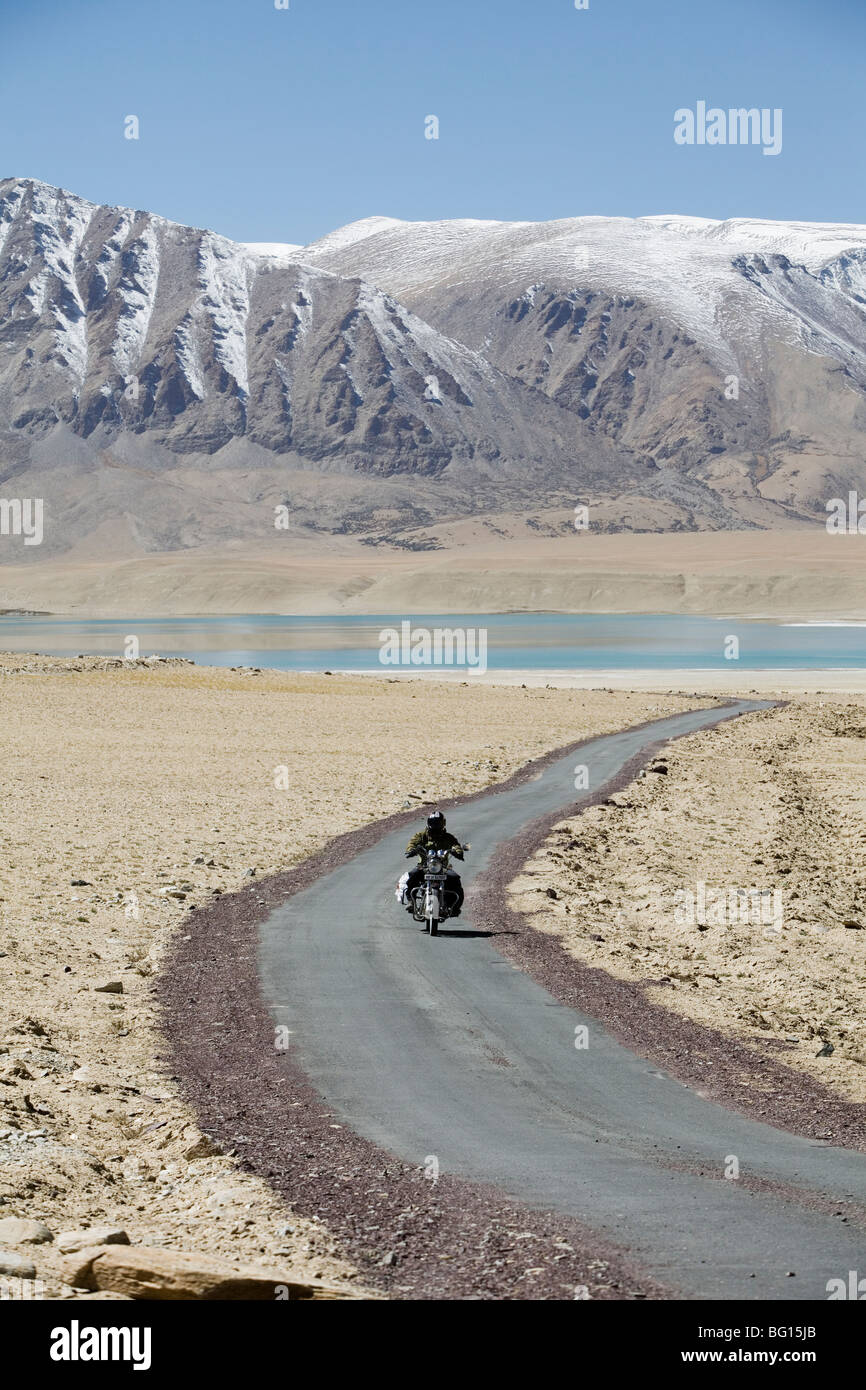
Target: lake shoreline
[585, 651]
[689, 681]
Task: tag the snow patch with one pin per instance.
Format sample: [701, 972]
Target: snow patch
[138, 291]
[60, 222]
[188, 357]
[403, 334]
[8, 214]
[347, 236]
[272, 250]
[303, 312]
[224, 277]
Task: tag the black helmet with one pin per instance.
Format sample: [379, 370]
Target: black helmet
[435, 821]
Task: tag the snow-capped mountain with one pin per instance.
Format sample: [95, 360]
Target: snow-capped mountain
[687, 267]
[734, 350]
[162, 384]
[123, 320]
[131, 341]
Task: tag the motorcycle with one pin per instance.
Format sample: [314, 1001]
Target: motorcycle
[432, 901]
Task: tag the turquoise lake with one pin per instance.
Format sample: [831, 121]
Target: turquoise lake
[516, 641]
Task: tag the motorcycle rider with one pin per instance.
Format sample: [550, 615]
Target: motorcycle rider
[435, 836]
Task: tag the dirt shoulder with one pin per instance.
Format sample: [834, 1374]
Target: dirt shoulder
[657, 887]
[133, 793]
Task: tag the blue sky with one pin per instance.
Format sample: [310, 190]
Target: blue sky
[278, 125]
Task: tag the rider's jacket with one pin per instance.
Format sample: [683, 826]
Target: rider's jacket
[432, 839]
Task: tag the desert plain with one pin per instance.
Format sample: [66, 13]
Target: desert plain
[132, 793]
[497, 564]
[136, 791]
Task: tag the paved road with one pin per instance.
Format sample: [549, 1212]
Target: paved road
[440, 1046]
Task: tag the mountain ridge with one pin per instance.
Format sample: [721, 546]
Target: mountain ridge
[177, 385]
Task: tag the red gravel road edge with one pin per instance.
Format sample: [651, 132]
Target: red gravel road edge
[407, 1235]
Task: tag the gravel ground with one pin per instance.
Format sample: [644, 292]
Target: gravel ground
[136, 792]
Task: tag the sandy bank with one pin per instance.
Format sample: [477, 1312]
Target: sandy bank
[799, 574]
[724, 684]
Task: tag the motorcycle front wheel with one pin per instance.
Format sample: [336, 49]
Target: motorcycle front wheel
[433, 926]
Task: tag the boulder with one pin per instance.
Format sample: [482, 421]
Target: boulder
[70, 1241]
[16, 1265]
[152, 1272]
[18, 1230]
[203, 1147]
[106, 1296]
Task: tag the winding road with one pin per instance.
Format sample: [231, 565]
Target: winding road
[442, 1048]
